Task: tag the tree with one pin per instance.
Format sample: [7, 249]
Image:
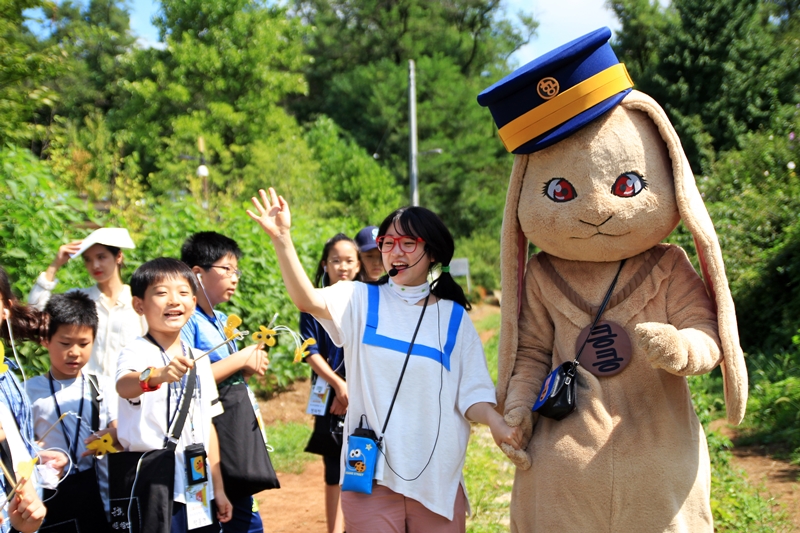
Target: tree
[359, 78]
[225, 69]
[716, 66]
[26, 99]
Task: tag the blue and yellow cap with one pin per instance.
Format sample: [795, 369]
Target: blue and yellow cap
[558, 93]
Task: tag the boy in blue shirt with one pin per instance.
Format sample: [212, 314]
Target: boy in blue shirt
[214, 259]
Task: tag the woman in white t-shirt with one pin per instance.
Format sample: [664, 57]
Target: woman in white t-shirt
[118, 323]
[418, 483]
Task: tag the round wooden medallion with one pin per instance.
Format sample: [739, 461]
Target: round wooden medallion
[608, 350]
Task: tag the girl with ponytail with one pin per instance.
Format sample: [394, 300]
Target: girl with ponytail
[411, 351]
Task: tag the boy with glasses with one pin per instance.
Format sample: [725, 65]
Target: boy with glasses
[214, 259]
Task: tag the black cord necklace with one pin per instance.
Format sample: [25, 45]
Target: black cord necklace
[73, 446]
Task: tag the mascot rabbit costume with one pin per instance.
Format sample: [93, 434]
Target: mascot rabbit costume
[599, 180]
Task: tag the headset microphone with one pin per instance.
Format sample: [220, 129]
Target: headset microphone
[393, 271]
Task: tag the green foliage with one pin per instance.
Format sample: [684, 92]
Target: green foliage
[225, 69]
[359, 77]
[483, 252]
[36, 217]
[26, 66]
[773, 405]
[720, 68]
[753, 197]
[355, 188]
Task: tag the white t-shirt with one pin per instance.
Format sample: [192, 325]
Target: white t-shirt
[68, 395]
[142, 423]
[373, 365]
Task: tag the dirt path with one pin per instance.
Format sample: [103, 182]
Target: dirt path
[778, 479]
[299, 505]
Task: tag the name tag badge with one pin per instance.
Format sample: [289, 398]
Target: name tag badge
[198, 505]
[608, 349]
[318, 399]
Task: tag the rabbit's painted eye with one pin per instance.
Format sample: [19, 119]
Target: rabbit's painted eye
[628, 184]
[560, 190]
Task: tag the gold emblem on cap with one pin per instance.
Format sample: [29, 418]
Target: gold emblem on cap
[547, 88]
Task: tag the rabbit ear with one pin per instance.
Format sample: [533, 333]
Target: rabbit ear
[696, 218]
[513, 257]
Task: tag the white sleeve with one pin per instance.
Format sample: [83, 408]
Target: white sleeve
[338, 299]
[129, 361]
[41, 292]
[110, 398]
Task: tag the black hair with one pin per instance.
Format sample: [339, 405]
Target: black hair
[113, 250]
[158, 269]
[73, 308]
[439, 244]
[25, 321]
[320, 277]
[206, 248]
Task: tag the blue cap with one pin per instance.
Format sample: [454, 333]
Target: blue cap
[366, 239]
[558, 93]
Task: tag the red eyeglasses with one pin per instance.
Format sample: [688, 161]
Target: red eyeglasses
[407, 243]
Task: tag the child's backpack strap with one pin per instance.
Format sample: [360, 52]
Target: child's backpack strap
[97, 396]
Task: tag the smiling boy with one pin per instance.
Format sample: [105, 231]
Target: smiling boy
[89, 403]
[151, 377]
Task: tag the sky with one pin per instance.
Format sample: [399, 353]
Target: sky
[560, 21]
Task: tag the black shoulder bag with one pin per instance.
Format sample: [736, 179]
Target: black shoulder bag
[141, 484]
[557, 396]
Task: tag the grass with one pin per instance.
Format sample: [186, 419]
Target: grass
[288, 441]
[489, 475]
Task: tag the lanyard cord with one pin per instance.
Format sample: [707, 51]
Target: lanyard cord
[403, 371]
[73, 447]
[167, 360]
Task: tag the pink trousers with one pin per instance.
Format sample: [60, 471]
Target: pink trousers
[385, 511]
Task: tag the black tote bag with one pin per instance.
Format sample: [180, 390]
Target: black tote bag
[150, 501]
[246, 466]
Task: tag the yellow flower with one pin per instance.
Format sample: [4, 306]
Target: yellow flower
[267, 336]
[231, 325]
[301, 352]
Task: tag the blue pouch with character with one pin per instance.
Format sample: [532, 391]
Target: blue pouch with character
[359, 463]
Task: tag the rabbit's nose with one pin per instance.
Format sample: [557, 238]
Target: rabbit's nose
[597, 225]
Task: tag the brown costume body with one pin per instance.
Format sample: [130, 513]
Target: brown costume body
[601, 462]
[633, 456]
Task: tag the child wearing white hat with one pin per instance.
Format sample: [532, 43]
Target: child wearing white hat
[118, 322]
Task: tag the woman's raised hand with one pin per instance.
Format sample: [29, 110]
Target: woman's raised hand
[272, 213]
[64, 252]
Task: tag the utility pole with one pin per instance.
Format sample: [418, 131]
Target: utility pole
[412, 126]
